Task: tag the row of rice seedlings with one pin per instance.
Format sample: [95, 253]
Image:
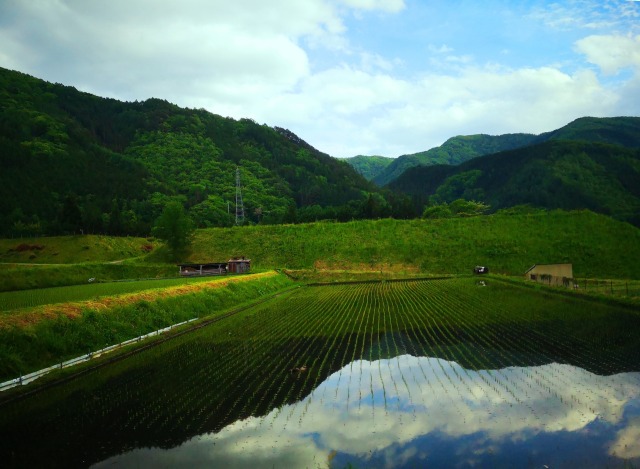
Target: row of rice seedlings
[436, 319]
[545, 389]
[389, 289]
[514, 337]
[488, 387]
[588, 354]
[247, 366]
[409, 324]
[368, 306]
[425, 326]
[517, 388]
[379, 327]
[298, 327]
[328, 322]
[557, 376]
[350, 319]
[349, 350]
[332, 354]
[333, 319]
[389, 331]
[419, 300]
[500, 379]
[494, 379]
[362, 320]
[373, 335]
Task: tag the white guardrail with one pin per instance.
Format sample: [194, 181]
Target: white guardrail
[26, 379]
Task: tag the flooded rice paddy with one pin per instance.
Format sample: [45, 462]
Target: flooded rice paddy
[408, 374]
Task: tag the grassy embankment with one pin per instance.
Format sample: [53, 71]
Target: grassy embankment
[598, 246]
[35, 338]
[72, 260]
[73, 249]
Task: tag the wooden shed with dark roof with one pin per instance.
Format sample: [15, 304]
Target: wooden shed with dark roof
[209, 268]
[239, 266]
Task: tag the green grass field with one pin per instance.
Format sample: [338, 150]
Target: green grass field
[51, 340]
[30, 276]
[596, 245]
[73, 249]
[43, 296]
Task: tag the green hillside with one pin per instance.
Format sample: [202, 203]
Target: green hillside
[369, 166]
[624, 131]
[508, 242]
[555, 174]
[456, 150]
[598, 246]
[73, 162]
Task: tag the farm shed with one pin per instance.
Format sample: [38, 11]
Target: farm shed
[551, 274]
[239, 266]
[214, 268]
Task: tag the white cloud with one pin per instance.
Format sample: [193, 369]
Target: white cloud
[257, 59]
[392, 6]
[611, 53]
[389, 116]
[587, 14]
[352, 413]
[627, 443]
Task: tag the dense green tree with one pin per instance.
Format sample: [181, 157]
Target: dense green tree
[555, 174]
[70, 216]
[457, 208]
[92, 216]
[174, 227]
[115, 225]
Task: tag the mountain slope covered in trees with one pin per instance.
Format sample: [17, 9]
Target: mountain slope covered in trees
[456, 150]
[622, 131]
[369, 166]
[562, 174]
[73, 161]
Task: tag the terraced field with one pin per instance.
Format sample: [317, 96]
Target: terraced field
[399, 374]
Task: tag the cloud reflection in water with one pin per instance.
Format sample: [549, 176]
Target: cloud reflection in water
[409, 410]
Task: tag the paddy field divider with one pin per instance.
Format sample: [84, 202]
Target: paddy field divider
[28, 378]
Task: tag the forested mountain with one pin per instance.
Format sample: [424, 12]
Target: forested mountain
[369, 166]
[615, 130]
[557, 173]
[72, 161]
[624, 131]
[454, 151]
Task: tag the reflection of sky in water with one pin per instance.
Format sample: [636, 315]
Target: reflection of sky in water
[411, 411]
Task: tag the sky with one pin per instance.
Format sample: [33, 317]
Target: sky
[373, 77]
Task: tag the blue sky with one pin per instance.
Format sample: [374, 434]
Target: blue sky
[385, 77]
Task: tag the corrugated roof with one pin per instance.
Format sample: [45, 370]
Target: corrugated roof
[557, 263]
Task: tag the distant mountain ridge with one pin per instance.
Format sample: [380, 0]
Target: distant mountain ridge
[455, 150]
[557, 173]
[369, 166]
[623, 131]
[615, 130]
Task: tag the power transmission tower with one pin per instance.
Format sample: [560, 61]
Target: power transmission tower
[239, 204]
